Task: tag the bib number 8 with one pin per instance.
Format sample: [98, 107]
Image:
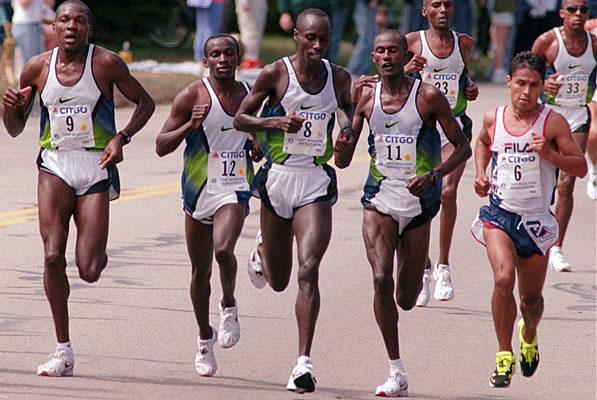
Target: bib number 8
[307, 132]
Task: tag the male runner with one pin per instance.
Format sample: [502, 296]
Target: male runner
[79, 150]
[215, 185]
[570, 54]
[525, 142]
[305, 94]
[402, 193]
[441, 58]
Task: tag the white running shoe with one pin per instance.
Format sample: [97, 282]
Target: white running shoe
[425, 292]
[205, 360]
[557, 262]
[229, 326]
[254, 265]
[395, 386]
[302, 379]
[592, 182]
[61, 363]
[443, 285]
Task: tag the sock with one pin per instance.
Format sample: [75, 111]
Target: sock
[303, 360]
[65, 345]
[396, 366]
[556, 249]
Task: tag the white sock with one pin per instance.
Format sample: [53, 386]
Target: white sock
[396, 366]
[303, 360]
[65, 345]
[556, 249]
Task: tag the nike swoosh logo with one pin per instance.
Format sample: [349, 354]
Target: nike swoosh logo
[389, 125]
[226, 129]
[440, 69]
[62, 101]
[574, 66]
[67, 365]
[308, 107]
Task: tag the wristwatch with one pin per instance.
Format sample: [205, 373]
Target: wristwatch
[126, 136]
[434, 175]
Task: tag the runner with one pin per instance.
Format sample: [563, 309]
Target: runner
[296, 185]
[526, 143]
[215, 186]
[402, 193]
[570, 54]
[79, 150]
[441, 58]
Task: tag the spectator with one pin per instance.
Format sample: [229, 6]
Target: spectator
[533, 18]
[208, 18]
[26, 27]
[502, 20]
[290, 9]
[364, 21]
[340, 10]
[251, 16]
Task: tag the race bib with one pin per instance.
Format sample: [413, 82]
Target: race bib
[227, 171]
[396, 155]
[71, 126]
[518, 176]
[446, 82]
[310, 140]
[573, 91]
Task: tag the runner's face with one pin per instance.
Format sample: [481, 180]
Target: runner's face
[388, 55]
[313, 37]
[571, 13]
[525, 85]
[439, 13]
[221, 58]
[72, 27]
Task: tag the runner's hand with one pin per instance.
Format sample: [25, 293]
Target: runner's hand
[415, 64]
[256, 153]
[362, 82]
[291, 123]
[198, 114]
[541, 146]
[552, 84]
[418, 185]
[112, 153]
[16, 98]
[471, 91]
[344, 141]
[482, 185]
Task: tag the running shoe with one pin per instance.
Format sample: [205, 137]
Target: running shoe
[205, 360]
[61, 363]
[425, 292]
[254, 265]
[504, 369]
[302, 379]
[395, 386]
[557, 262]
[443, 284]
[592, 182]
[229, 326]
[529, 353]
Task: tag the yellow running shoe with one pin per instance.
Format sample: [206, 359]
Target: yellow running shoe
[504, 369]
[529, 353]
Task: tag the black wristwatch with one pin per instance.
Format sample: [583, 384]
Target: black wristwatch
[126, 136]
[434, 175]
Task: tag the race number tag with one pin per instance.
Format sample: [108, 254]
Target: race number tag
[227, 171]
[446, 82]
[71, 126]
[310, 140]
[396, 155]
[573, 91]
[519, 176]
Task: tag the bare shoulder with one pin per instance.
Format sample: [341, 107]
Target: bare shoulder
[556, 124]
[36, 69]
[341, 75]
[366, 100]
[465, 41]
[429, 92]
[413, 40]
[543, 42]
[108, 63]
[489, 118]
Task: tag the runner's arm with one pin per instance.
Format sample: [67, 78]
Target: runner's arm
[346, 141]
[187, 113]
[17, 103]
[567, 156]
[482, 155]
[246, 120]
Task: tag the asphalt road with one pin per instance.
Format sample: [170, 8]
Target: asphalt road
[134, 333]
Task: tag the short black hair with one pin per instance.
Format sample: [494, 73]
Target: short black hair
[401, 38]
[526, 59]
[84, 6]
[221, 35]
[311, 11]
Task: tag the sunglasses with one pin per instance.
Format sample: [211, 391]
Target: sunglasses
[574, 9]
